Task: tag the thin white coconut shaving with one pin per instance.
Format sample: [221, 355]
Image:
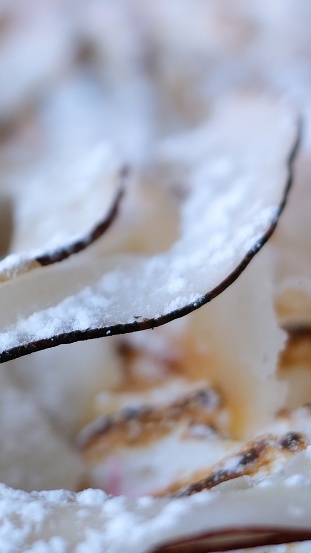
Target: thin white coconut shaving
[243, 512]
[235, 178]
[60, 209]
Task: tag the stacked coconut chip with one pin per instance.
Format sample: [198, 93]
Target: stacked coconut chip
[148, 152]
[234, 190]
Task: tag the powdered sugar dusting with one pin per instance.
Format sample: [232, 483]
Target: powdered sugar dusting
[39, 523]
[223, 217]
[65, 200]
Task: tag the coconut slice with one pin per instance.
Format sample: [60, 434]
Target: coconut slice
[148, 450]
[242, 513]
[183, 447]
[61, 210]
[234, 174]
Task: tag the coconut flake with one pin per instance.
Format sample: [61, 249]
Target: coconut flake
[91, 520]
[236, 177]
[61, 209]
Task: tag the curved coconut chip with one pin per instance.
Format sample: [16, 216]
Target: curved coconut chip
[236, 514]
[144, 450]
[153, 421]
[256, 459]
[236, 172]
[63, 213]
[182, 448]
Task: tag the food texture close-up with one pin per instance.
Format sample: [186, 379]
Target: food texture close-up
[155, 276]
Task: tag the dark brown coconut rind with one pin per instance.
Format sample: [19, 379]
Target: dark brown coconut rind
[147, 323]
[236, 538]
[255, 456]
[27, 263]
[152, 421]
[96, 232]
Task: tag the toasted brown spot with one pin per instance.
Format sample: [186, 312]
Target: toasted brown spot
[134, 326]
[134, 380]
[293, 441]
[256, 456]
[143, 425]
